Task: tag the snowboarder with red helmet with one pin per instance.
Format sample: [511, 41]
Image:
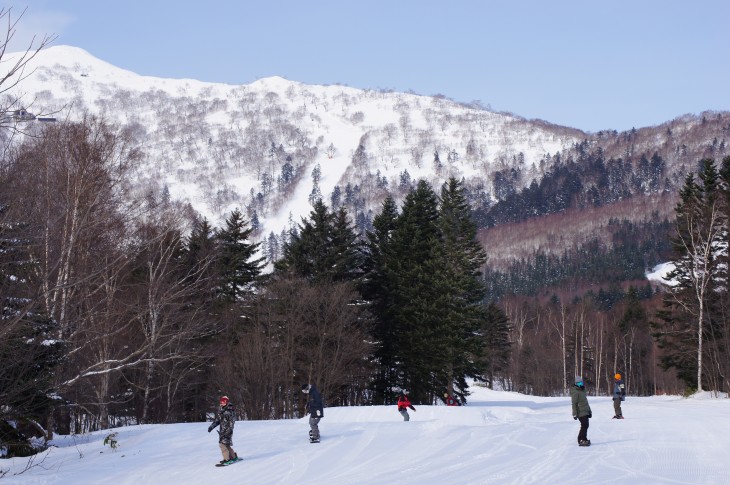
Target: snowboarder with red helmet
[226, 418]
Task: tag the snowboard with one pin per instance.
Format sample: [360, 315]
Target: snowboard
[312, 440]
[587, 443]
[228, 463]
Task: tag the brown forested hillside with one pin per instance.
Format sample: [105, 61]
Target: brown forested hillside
[556, 233]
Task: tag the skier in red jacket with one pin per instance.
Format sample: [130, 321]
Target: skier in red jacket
[403, 405]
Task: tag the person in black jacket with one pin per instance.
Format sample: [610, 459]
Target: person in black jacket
[226, 418]
[315, 409]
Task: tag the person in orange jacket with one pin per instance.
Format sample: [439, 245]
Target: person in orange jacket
[403, 404]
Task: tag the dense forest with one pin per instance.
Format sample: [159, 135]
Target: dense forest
[632, 250]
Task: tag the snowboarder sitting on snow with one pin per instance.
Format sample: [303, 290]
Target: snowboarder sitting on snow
[315, 409]
[619, 394]
[450, 401]
[581, 410]
[226, 418]
[404, 404]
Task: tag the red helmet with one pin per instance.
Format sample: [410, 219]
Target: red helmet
[224, 400]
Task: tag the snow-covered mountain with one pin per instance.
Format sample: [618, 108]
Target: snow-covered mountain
[221, 146]
[271, 146]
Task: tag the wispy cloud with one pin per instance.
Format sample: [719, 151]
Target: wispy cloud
[32, 24]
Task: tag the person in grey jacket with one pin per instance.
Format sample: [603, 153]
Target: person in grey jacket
[315, 409]
[581, 410]
[226, 418]
[619, 394]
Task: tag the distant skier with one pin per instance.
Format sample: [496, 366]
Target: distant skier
[619, 394]
[226, 418]
[403, 404]
[315, 409]
[581, 410]
[450, 401]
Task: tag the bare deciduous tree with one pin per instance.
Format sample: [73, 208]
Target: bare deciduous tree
[295, 331]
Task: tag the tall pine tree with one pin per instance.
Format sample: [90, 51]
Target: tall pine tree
[238, 266]
[378, 289]
[496, 341]
[201, 252]
[464, 290]
[414, 266]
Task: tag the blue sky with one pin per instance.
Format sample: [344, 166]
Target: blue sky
[591, 65]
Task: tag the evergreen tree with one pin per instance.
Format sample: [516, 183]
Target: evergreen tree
[346, 249]
[287, 173]
[201, 249]
[405, 180]
[255, 223]
[325, 248]
[377, 289]
[360, 157]
[496, 341]
[415, 267]
[272, 247]
[464, 291]
[336, 197]
[29, 351]
[302, 254]
[238, 266]
[634, 316]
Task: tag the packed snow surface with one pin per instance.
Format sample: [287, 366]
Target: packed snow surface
[498, 437]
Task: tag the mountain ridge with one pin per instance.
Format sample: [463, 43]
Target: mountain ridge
[220, 146]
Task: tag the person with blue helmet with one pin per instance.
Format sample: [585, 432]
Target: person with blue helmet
[581, 410]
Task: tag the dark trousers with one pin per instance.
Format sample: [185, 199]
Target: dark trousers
[583, 433]
[617, 407]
